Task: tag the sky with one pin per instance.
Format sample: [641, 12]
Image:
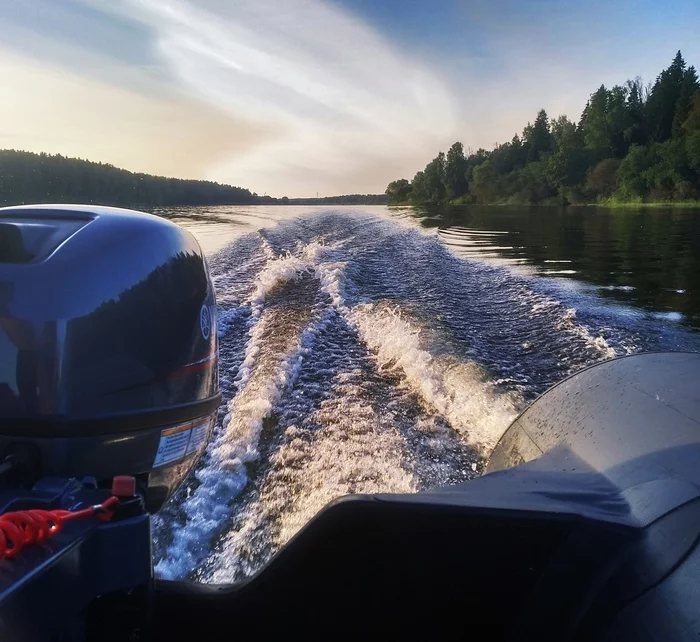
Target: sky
[299, 97]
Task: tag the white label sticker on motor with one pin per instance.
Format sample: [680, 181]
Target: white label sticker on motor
[172, 445]
[199, 436]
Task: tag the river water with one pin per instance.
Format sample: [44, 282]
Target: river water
[375, 349]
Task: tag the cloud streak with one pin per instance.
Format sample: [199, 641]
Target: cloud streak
[353, 111]
[302, 96]
[49, 109]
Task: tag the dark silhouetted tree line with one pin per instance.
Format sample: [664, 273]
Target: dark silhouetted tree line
[346, 199]
[26, 177]
[633, 143]
[42, 178]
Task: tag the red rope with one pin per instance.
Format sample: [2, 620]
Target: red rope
[21, 528]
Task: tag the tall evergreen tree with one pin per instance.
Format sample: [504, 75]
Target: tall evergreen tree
[537, 137]
[509, 156]
[661, 106]
[618, 121]
[518, 151]
[692, 121]
[636, 132]
[565, 134]
[689, 87]
[594, 123]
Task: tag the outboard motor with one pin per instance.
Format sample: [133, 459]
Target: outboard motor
[108, 347]
[108, 368]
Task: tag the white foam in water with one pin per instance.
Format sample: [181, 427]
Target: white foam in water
[354, 451]
[261, 384]
[568, 322]
[343, 445]
[269, 253]
[458, 390]
[283, 268]
[350, 451]
[277, 272]
[668, 316]
[221, 479]
[621, 288]
[330, 276]
[226, 316]
[232, 274]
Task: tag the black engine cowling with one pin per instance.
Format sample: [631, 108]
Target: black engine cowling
[108, 344]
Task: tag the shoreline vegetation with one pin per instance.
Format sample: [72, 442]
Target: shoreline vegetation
[27, 177]
[612, 204]
[635, 145]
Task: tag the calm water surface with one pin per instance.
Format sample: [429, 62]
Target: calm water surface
[649, 258]
[373, 349]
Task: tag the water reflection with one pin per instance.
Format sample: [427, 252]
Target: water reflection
[647, 257]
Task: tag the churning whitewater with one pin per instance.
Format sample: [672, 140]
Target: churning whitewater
[361, 355]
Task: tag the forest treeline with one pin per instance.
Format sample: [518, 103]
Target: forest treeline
[347, 199]
[26, 177]
[633, 143]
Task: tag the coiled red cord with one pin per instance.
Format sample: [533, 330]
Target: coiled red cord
[21, 528]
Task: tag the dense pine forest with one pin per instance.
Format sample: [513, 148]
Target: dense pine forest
[26, 177]
[632, 144]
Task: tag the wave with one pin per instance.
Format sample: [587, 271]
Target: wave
[269, 368]
[458, 390]
[343, 447]
[363, 356]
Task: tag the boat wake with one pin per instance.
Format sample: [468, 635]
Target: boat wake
[360, 355]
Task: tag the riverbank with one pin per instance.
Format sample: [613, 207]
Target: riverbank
[612, 204]
[635, 144]
[608, 204]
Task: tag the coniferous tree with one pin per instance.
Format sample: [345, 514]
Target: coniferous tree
[538, 138]
[661, 106]
[631, 142]
[689, 87]
[594, 122]
[636, 132]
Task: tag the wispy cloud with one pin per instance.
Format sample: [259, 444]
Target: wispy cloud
[352, 110]
[45, 108]
[302, 96]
